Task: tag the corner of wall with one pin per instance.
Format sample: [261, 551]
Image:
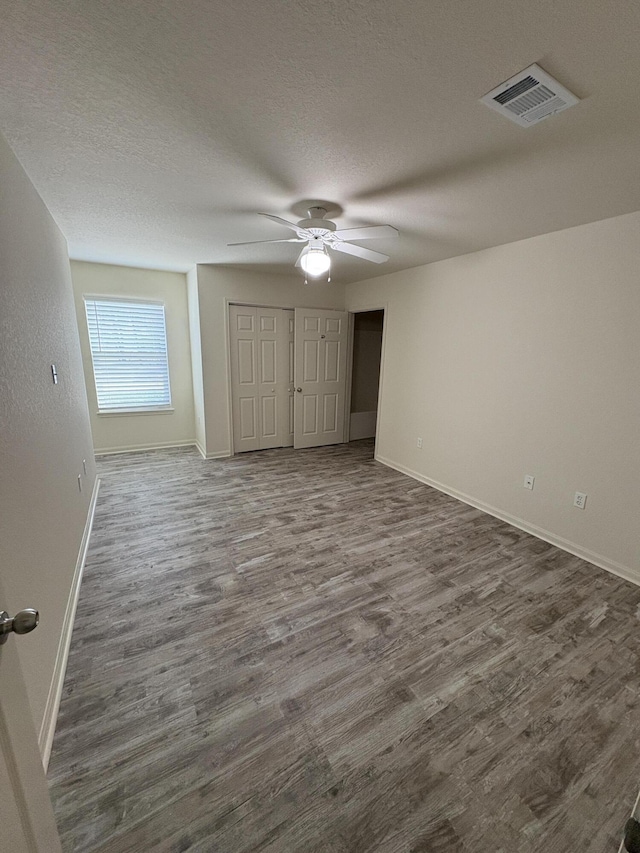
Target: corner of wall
[195, 337]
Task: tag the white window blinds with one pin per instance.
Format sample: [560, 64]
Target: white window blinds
[129, 351]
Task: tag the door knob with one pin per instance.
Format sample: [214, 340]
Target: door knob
[299, 390]
[22, 623]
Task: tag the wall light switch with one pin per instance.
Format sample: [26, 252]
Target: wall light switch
[529, 480]
[420, 443]
[54, 374]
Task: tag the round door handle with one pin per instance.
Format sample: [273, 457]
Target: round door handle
[22, 623]
[299, 390]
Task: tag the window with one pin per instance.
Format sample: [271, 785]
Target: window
[129, 350]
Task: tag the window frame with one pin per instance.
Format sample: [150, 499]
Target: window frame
[137, 409]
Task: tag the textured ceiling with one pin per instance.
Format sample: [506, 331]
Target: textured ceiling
[155, 129]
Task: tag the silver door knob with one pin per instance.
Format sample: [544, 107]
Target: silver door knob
[299, 390]
[22, 623]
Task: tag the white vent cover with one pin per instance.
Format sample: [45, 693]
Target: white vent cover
[529, 97]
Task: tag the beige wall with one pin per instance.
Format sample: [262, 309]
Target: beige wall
[196, 359]
[523, 359]
[44, 428]
[217, 286]
[157, 429]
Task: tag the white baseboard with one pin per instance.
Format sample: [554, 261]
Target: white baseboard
[133, 448]
[219, 454]
[48, 727]
[599, 560]
[362, 425]
[137, 448]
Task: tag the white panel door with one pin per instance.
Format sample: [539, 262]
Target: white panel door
[268, 329]
[27, 824]
[320, 374]
[244, 378]
[288, 354]
[260, 387]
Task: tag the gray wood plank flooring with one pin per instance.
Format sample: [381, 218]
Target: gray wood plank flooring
[307, 651]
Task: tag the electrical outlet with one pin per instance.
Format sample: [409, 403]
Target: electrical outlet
[580, 500]
[420, 443]
[529, 480]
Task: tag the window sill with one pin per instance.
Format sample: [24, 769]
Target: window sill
[114, 413]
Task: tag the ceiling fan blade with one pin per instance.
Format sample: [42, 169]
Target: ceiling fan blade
[369, 232]
[281, 221]
[301, 255]
[359, 252]
[286, 240]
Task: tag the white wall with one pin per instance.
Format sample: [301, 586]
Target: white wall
[196, 360]
[523, 359]
[217, 286]
[151, 429]
[44, 429]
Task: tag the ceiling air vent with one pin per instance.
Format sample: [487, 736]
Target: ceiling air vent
[529, 97]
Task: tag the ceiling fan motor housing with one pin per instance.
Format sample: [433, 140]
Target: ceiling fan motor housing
[316, 220]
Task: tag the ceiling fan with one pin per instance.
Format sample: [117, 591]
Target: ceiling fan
[321, 235]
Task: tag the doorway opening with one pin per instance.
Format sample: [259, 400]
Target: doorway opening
[368, 328]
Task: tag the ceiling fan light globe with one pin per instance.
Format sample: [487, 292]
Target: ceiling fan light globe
[315, 262]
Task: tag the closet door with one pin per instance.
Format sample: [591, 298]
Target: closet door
[259, 377]
[288, 353]
[320, 376]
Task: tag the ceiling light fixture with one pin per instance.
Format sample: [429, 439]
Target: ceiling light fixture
[315, 262]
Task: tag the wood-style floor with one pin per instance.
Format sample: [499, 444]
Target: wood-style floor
[307, 651]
